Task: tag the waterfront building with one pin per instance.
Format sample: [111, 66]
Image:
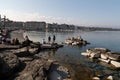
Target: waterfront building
[52, 27]
[33, 25]
[60, 27]
[17, 25]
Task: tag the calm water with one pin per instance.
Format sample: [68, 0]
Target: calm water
[69, 54]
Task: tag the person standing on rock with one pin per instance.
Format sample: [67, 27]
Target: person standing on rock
[17, 41]
[54, 38]
[49, 39]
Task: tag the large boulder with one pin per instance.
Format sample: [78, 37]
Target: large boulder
[25, 52]
[113, 56]
[9, 64]
[115, 64]
[94, 55]
[33, 71]
[100, 50]
[85, 54]
[104, 56]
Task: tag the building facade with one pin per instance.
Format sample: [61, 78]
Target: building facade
[60, 27]
[33, 25]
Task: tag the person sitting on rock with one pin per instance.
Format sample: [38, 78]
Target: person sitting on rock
[26, 42]
[13, 41]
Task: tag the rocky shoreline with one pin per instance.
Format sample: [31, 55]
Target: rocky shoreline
[105, 55]
[112, 59]
[19, 64]
[24, 63]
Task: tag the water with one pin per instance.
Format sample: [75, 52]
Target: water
[72, 55]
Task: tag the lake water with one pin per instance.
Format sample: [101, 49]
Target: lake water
[72, 55]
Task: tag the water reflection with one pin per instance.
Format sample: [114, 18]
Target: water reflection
[52, 53]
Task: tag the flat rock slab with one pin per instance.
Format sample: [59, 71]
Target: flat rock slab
[5, 47]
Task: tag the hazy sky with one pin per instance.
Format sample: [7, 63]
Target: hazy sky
[104, 13]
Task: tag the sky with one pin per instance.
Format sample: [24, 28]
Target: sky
[101, 13]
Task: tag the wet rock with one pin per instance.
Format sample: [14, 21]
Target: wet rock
[64, 69]
[102, 50]
[115, 63]
[85, 54]
[105, 60]
[95, 78]
[97, 50]
[113, 56]
[58, 72]
[9, 63]
[94, 55]
[109, 78]
[104, 56]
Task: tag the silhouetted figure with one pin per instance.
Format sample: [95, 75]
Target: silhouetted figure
[17, 41]
[54, 38]
[49, 39]
[27, 43]
[13, 41]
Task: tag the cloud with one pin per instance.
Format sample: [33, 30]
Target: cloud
[35, 16]
[23, 16]
[20, 16]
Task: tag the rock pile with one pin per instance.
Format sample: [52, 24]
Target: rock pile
[76, 41]
[104, 55]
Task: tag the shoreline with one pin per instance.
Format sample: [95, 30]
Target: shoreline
[76, 70]
[17, 34]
